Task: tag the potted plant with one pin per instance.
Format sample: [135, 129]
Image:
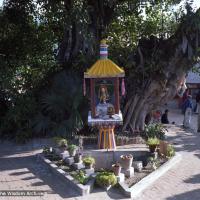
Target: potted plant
[78, 157]
[106, 179]
[89, 162]
[61, 143]
[126, 161]
[80, 177]
[155, 130]
[72, 149]
[153, 143]
[116, 168]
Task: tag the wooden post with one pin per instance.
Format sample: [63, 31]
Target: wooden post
[106, 138]
[92, 97]
[117, 106]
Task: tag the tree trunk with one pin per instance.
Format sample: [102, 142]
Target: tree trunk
[169, 58]
[100, 13]
[175, 57]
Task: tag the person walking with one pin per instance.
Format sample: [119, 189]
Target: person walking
[185, 96]
[187, 103]
[187, 111]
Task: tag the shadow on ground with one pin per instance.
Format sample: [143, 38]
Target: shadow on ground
[34, 174]
[184, 140]
[191, 195]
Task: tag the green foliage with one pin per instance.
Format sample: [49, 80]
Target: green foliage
[46, 150]
[88, 160]
[26, 58]
[72, 147]
[61, 106]
[154, 162]
[155, 130]
[80, 176]
[135, 22]
[17, 119]
[41, 40]
[105, 179]
[61, 142]
[170, 151]
[153, 141]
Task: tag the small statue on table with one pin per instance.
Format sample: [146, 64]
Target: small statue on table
[103, 94]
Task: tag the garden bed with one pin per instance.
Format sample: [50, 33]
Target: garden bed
[145, 172]
[67, 173]
[132, 177]
[132, 187]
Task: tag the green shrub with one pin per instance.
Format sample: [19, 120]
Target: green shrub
[89, 160]
[105, 179]
[170, 151]
[154, 162]
[46, 150]
[61, 107]
[72, 147]
[60, 142]
[155, 130]
[153, 141]
[80, 176]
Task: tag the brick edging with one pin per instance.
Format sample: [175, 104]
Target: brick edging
[68, 179]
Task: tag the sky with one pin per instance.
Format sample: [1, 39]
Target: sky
[196, 3]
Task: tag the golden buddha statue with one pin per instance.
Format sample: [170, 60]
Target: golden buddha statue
[103, 94]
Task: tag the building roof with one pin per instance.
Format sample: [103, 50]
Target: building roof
[193, 78]
[104, 68]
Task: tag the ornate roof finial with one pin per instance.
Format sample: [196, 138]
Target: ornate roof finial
[103, 49]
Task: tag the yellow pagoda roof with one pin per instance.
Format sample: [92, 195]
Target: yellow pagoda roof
[104, 68]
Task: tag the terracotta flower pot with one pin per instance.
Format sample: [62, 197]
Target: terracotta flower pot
[126, 161]
[116, 168]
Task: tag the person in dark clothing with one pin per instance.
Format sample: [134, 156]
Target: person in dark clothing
[164, 118]
[187, 104]
[185, 95]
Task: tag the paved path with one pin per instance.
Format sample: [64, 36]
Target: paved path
[182, 182]
[19, 170]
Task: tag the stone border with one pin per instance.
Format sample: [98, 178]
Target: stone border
[68, 179]
[136, 189]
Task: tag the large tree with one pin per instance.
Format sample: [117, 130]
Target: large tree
[169, 61]
[154, 44]
[157, 63]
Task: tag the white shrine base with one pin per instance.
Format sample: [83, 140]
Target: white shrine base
[106, 120]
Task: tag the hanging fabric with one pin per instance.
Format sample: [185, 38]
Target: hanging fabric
[84, 87]
[123, 90]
